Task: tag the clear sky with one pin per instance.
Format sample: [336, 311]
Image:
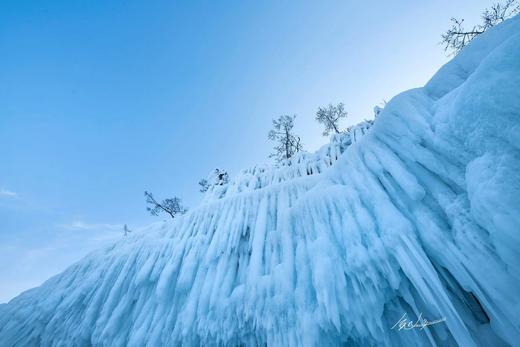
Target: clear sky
[101, 100]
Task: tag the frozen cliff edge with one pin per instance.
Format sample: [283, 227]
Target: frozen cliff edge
[422, 215]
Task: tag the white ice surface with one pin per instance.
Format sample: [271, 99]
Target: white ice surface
[420, 215]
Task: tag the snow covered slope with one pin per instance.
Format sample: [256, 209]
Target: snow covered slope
[420, 216]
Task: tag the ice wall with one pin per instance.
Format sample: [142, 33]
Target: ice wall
[420, 216]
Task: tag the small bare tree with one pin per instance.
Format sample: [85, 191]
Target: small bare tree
[222, 177]
[457, 37]
[330, 117]
[217, 178]
[126, 230]
[170, 206]
[287, 143]
[204, 185]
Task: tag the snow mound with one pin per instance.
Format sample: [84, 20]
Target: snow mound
[421, 217]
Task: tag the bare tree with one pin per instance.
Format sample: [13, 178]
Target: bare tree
[221, 177]
[126, 230]
[217, 178]
[287, 143]
[330, 117]
[499, 12]
[170, 206]
[204, 185]
[457, 37]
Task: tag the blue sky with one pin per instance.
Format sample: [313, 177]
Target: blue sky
[101, 100]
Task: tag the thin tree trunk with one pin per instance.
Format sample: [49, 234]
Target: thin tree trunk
[287, 155]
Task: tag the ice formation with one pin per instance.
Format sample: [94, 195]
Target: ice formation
[421, 215]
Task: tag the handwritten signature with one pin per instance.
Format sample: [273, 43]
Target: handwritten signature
[404, 323]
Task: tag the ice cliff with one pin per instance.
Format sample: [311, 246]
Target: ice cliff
[420, 215]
